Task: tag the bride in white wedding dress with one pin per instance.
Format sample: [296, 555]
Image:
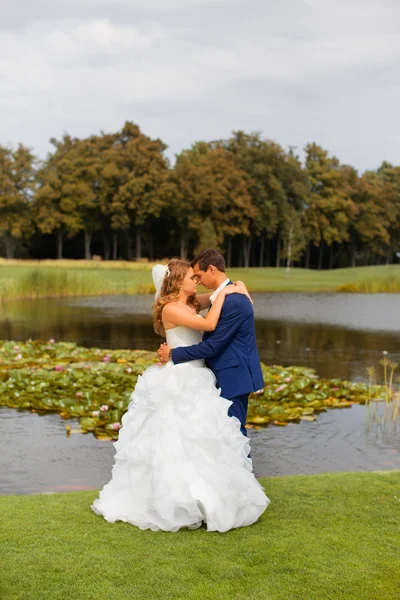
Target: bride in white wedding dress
[180, 459]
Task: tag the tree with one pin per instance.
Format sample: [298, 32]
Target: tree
[330, 207]
[291, 210]
[370, 230]
[390, 175]
[226, 198]
[56, 200]
[207, 236]
[138, 174]
[89, 159]
[258, 160]
[208, 184]
[186, 202]
[277, 186]
[16, 187]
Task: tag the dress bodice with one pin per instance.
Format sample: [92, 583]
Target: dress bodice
[183, 336]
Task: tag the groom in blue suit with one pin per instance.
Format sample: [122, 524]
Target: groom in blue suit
[230, 351]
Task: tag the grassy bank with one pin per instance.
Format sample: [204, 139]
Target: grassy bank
[331, 536]
[34, 279]
[23, 279]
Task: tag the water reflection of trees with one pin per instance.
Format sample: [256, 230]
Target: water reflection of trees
[333, 351]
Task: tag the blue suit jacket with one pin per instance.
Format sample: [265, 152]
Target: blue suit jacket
[230, 350]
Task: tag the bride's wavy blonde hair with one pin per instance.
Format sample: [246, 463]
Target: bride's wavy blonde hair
[170, 289]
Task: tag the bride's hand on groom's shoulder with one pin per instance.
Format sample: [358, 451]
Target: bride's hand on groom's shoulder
[238, 288]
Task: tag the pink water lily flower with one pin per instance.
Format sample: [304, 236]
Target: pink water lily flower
[104, 407]
[106, 358]
[287, 379]
[16, 348]
[116, 426]
[79, 394]
[280, 388]
[51, 341]
[59, 368]
[95, 413]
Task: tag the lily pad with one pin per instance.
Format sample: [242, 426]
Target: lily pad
[79, 382]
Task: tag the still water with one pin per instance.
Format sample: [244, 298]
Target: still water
[338, 335]
[36, 456]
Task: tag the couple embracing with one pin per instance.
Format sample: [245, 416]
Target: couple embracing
[183, 456]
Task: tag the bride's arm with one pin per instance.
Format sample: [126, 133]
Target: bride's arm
[175, 314]
[204, 300]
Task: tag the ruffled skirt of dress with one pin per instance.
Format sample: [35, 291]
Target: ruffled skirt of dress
[180, 459]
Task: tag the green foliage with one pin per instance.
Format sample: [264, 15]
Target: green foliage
[57, 197]
[95, 385]
[118, 189]
[137, 177]
[112, 182]
[331, 207]
[17, 184]
[295, 394]
[207, 236]
[76, 382]
[373, 198]
[278, 188]
[209, 185]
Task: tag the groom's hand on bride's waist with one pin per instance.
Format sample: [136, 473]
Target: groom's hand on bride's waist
[164, 353]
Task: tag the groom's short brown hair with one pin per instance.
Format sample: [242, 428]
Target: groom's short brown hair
[209, 257]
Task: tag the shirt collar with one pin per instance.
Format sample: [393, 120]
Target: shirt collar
[217, 291]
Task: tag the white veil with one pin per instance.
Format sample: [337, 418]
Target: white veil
[158, 274]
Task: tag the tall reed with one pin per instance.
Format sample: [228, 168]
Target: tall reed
[391, 285]
[385, 410]
[43, 281]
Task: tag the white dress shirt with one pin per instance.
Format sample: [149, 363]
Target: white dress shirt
[217, 291]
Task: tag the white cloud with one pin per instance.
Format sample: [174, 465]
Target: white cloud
[199, 70]
[98, 38]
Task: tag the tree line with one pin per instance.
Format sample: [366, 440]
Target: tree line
[117, 196]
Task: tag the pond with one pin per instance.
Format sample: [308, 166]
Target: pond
[338, 335]
[38, 457]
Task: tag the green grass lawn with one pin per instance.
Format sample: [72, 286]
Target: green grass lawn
[331, 536]
[88, 278]
[362, 279]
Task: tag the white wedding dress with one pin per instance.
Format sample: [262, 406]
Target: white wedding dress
[180, 459]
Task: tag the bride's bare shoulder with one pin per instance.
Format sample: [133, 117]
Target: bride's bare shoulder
[171, 306]
[175, 307]
[172, 309]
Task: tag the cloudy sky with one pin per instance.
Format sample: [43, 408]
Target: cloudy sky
[185, 70]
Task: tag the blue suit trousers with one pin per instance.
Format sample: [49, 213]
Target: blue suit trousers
[239, 410]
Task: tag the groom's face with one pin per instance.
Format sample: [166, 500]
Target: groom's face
[206, 278]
